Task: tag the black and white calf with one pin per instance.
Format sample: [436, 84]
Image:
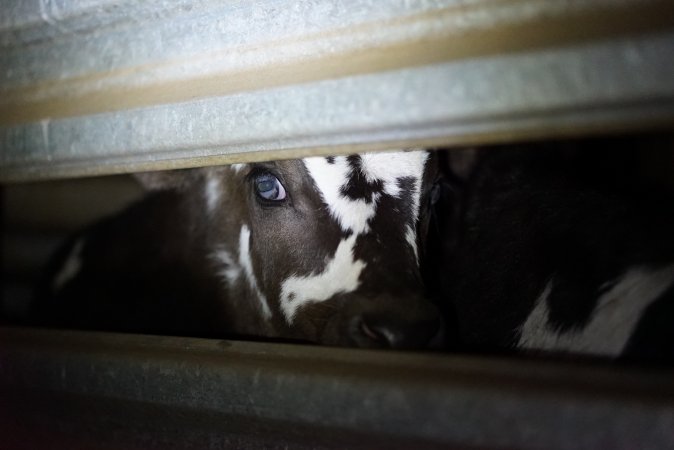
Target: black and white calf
[319, 249]
[559, 248]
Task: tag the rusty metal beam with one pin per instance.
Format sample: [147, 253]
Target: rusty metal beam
[66, 389]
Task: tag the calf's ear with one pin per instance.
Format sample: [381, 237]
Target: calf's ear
[168, 179]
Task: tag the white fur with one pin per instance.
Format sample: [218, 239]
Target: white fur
[71, 267]
[613, 321]
[411, 238]
[390, 167]
[246, 263]
[230, 271]
[340, 275]
[352, 215]
[238, 167]
[212, 192]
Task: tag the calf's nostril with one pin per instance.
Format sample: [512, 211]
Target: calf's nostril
[392, 333]
[374, 333]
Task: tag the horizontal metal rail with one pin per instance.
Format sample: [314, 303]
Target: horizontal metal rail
[96, 390]
[109, 86]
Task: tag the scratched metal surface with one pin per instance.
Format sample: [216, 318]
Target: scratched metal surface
[107, 86]
[99, 390]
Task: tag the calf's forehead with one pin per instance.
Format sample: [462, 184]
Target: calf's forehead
[374, 173]
[391, 167]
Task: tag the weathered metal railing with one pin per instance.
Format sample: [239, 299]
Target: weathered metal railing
[109, 86]
[97, 390]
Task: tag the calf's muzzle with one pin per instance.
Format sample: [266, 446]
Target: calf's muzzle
[385, 321]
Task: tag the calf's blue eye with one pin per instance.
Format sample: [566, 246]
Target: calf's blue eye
[268, 187]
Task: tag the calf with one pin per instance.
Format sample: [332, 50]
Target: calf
[320, 249]
[559, 248]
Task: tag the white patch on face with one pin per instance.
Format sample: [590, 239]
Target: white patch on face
[212, 192]
[340, 276]
[352, 215]
[230, 271]
[246, 263]
[411, 238]
[238, 167]
[617, 313]
[389, 168]
[71, 267]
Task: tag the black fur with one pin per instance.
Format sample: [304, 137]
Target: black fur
[121, 291]
[578, 211]
[358, 187]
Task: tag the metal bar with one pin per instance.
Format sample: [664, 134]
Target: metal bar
[88, 90]
[99, 390]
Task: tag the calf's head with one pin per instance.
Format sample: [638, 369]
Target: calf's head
[324, 249]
